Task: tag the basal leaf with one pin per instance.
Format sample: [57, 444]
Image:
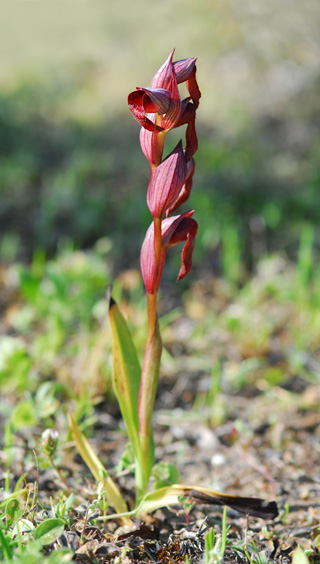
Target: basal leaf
[96, 467]
[126, 374]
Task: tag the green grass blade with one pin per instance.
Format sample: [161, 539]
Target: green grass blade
[5, 546]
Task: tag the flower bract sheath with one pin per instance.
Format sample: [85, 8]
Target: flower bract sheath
[166, 182]
[175, 229]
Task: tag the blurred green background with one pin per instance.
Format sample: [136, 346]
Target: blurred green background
[73, 210]
[71, 168]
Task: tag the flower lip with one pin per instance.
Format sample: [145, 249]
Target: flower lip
[155, 100]
[137, 102]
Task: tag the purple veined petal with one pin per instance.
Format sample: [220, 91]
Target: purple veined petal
[193, 88]
[164, 75]
[138, 102]
[191, 139]
[148, 264]
[187, 251]
[169, 120]
[148, 261]
[170, 225]
[183, 69]
[188, 116]
[166, 182]
[174, 230]
[186, 188]
[152, 143]
[156, 100]
[166, 78]
[178, 229]
[187, 112]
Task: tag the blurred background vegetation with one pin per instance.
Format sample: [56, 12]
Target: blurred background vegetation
[71, 168]
[73, 186]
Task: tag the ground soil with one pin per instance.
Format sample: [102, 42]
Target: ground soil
[250, 454]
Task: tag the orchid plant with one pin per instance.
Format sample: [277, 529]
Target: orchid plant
[158, 109]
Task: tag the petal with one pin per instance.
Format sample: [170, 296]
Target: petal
[164, 75]
[138, 102]
[187, 251]
[156, 100]
[186, 188]
[193, 88]
[192, 139]
[169, 120]
[176, 230]
[166, 78]
[183, 69]
[170, 225]
[166, 182]
[148, 264]
[188, 115]
[152, 144]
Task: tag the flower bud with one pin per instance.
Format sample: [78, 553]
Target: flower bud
[49, 441]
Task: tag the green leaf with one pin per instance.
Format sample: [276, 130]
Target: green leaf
[23, 415]
[5, 545]
[96, 467]
[16, 493]
[299, 556]
[12, 508]
[126, 374]
[49, 531]
[166, 474]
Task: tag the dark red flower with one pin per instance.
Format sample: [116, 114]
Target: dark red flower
[176, 229]
[162, 99]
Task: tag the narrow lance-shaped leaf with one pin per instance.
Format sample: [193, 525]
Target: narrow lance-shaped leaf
[171, 495]
[126, 374]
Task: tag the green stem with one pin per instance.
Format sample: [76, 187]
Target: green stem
[150, 374]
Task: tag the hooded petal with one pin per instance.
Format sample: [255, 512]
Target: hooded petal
[186, 188]
[163, 76]
[166, 182]
[183, 69]
[166, 78]
[169, 120]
